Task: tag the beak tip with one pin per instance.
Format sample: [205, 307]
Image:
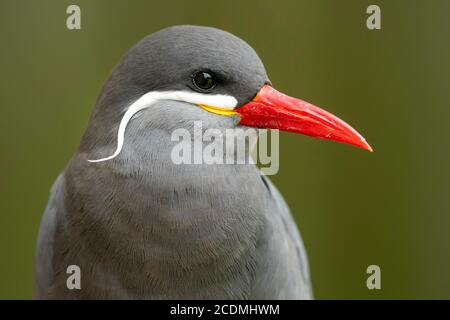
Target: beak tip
[366, 146]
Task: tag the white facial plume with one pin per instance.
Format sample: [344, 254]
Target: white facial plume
[218, 100]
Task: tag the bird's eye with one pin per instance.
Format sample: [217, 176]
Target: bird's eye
[204, 80]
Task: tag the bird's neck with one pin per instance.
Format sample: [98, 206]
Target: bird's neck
[180, 225]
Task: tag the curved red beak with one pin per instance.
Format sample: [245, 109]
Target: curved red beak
[274, 110]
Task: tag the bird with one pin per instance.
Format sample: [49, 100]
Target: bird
[139, 226]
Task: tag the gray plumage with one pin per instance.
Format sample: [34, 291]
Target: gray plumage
[140, 226]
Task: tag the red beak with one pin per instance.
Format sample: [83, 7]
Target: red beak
[274, 110]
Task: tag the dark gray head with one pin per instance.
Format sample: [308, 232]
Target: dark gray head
[191, 59]
[187, 73]
[169, 59]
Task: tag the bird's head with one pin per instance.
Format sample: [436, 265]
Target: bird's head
[185, 73]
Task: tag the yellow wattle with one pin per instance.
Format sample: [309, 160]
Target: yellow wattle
[216, 110]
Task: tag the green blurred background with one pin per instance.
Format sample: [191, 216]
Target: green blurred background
[354, 209]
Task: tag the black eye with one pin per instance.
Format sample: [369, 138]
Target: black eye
[204, 80]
